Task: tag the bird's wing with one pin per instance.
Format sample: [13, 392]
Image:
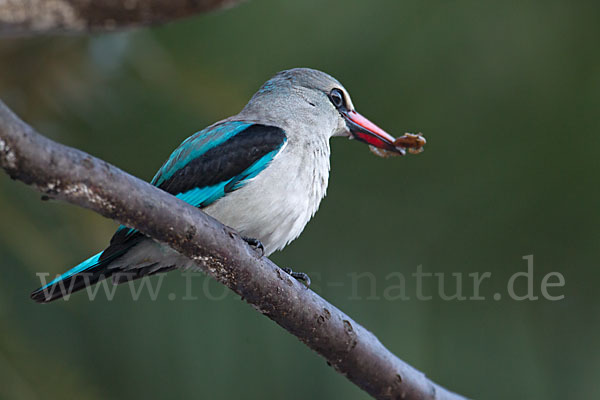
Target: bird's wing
[207, 166]
[218, 160]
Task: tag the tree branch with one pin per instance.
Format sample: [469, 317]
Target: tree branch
[73, 176]
[27, 17]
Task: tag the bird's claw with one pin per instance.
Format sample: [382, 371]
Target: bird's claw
[301, 276]
[256, 244]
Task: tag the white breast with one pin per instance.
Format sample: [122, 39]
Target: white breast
[275, 206]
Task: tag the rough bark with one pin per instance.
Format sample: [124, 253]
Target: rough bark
[31, 17]
[73, 176]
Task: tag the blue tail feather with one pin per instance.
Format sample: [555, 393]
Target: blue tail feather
[84, 266]
[67, 283]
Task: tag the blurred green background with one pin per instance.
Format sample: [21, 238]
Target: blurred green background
[508, 96]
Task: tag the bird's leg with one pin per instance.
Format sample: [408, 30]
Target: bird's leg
[255, 243]
[301, 276]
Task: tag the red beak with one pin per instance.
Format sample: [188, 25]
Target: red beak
[367, 132]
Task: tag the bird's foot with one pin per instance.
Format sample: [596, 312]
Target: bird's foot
[301, 276]
[256, 244]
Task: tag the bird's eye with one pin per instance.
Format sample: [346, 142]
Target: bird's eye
[337, 98]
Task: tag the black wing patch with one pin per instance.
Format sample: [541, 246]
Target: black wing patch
[226, 161]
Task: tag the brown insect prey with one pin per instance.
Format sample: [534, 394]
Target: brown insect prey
[409, 141]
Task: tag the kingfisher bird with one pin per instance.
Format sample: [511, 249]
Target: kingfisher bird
[262, 172]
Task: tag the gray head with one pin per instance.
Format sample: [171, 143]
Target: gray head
[310, 97]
